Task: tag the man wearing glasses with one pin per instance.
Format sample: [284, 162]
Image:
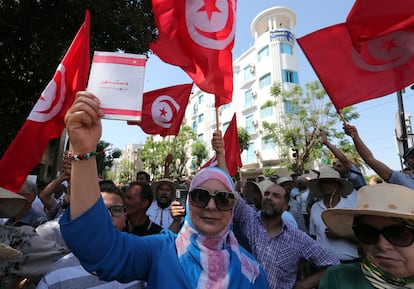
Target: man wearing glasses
[68, 272]
[279, 247]
[383, 224]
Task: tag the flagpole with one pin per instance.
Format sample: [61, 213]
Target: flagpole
[217, 119]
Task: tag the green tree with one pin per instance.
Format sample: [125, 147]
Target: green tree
[153, 153]
[105, 160]
[303, 113]
[36, 34]
[126, 171]
[199, 152]
[244, 138]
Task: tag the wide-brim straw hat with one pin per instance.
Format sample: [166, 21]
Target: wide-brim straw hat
[251, 186]
[386, 200]
[164, 181]
[8, 253]
[11, 204]
[328, 173]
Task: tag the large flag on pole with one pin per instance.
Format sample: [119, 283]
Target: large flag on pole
[366, 23]
[198, 36]
[349, 74]
[231, 149]
[163, 110]
[46, 120]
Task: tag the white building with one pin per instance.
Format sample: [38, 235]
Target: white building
[271, 59]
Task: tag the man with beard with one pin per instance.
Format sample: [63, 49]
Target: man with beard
[159, 211]
[278, 246]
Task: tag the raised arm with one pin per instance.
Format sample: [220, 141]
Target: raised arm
[337, 152]
[217, 143]
[380, 168]
[83, 123]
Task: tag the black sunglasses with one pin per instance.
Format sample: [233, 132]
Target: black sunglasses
[117, 211]
[200, 198]
[398, 235]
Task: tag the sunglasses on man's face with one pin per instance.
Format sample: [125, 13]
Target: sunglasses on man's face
[398, 235]
[200, 198]
[117, 211]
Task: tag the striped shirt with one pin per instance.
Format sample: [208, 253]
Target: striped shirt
[68, 273]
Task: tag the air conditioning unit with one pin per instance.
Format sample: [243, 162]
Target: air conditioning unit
[252, 68]
[254, 93]
[255, 122]
[256, 152]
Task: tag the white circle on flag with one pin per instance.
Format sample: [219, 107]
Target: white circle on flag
[163, 110]
[386, 52]
[211, 25]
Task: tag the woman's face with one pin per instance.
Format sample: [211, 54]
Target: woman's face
[210, 221]
[396, 261]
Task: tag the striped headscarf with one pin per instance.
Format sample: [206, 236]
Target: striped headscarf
[214, 261]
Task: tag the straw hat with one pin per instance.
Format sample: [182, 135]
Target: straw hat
[11, 204]
[262, 186]
[330, 174]
[386, 200]
[8, 253]
[164, 181]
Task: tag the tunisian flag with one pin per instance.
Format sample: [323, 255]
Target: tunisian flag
[46, 120]
[365, 23]
[377, 67]
[163, 109]
[198, 36]
[231, 149]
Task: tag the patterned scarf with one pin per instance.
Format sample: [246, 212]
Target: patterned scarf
[214, 261]
[381, 280]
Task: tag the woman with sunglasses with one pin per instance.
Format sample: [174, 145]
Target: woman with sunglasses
[383, 225]
[205, 253]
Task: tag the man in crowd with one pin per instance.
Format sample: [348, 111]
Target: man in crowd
[68, 273]
[138, 198]
[159, 211]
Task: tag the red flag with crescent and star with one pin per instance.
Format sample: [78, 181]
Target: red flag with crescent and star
[46, 120]
[198, 36]
[163, 110]
[369, 56]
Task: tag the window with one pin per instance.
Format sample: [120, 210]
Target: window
[248, 73]
[250, 153]
[225, 106]
[194, 126]
[225, 125]
[267, 145]
[286, 48]
[263, 54]
[289, 107]
[200, 137]
[290, 76]
[266, 111]
[264, 81]
[200, 98]
[248, 98]
[249, 124]
[195, 109]
[200, 118]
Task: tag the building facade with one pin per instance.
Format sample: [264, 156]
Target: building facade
[271, 59]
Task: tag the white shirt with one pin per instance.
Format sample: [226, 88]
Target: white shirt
[160, 216]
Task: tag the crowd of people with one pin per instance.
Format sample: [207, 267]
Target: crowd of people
[329, 230]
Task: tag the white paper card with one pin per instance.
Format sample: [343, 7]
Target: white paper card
[117, 79]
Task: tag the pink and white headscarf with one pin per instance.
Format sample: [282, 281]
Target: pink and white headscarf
[214, 261]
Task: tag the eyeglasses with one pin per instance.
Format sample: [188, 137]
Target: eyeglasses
[398, 235]
[200, 198]
[117, 211]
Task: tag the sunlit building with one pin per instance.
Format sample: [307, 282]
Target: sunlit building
[271, 59]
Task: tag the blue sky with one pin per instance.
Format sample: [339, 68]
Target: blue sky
[376, 124]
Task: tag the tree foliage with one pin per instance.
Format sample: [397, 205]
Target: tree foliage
[153, 153]
[199, 152]
[302, 114]
[105, 160]
[36, 34]
[244, 138]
